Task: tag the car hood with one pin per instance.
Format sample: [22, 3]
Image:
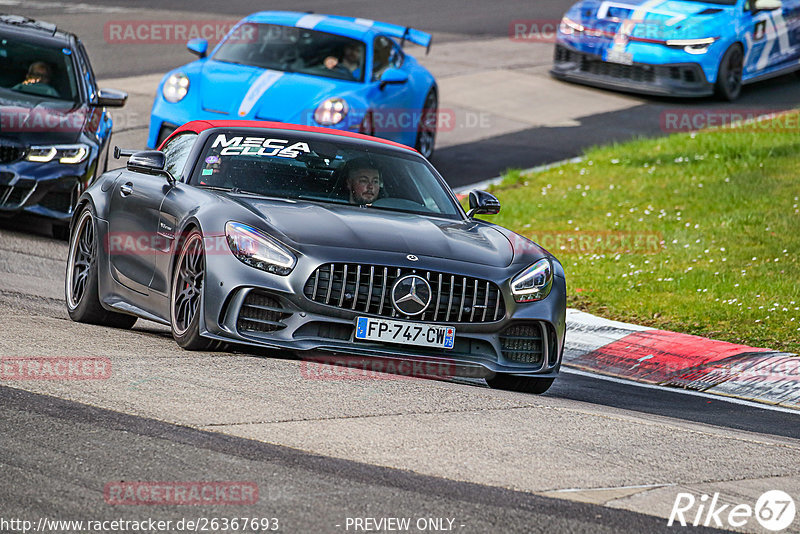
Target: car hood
[245, 92]
[670, 19]
[372, 229]
[35, 121]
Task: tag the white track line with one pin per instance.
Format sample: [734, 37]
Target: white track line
[711, 396]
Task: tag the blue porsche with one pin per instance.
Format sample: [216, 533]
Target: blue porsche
[678, 47]
[346, 73]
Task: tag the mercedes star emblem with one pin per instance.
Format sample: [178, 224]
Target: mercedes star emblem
[411, 295]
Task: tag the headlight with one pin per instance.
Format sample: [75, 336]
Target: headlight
[693, 46]
[176, 87]
[569, 26]
[70, 154]
[534, 283]
[331, 112]
[258, 250]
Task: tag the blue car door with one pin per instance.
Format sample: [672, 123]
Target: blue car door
[771, 36]
[394, 113]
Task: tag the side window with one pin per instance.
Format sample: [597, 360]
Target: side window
[382, 49]
[177, 152]
[86, 72]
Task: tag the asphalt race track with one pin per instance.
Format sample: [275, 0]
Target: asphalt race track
[591, 455]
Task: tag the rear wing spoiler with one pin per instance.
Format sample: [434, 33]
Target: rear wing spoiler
[393, 30]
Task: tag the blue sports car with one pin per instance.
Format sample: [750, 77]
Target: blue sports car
[316, 70]
[678, 47]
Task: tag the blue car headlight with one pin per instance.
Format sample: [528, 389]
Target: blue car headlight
[693, 46]
[256, 249]
[534, 283]
[331, 111]
[176, 87]
[69, 154]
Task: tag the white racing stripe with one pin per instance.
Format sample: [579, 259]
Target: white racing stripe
[257, 90]
[721, 398]
[309, 21]
[365, 22]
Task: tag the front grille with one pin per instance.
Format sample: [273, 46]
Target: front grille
[10, 153]
[523, 343]
[261, 312]
[367, 289]
[12, 196]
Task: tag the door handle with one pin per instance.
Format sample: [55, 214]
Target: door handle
[126, 189]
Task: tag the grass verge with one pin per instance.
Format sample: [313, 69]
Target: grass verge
[695, 233]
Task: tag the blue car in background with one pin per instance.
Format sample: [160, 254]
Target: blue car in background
[317, 70]
[678, 47]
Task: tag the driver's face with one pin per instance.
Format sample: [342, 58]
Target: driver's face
[352, 54]
[365, 185]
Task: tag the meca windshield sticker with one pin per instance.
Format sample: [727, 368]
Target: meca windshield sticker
[258, 146]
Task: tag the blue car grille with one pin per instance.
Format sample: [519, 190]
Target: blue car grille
[9, 152]
[367, 288]
[12, 196]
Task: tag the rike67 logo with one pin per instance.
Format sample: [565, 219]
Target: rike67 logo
[774, 510]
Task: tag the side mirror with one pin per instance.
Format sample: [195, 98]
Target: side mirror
[111, 98]
[767, 5]
[393, 76]
[150, 162]
[198, 47]
[481, 202]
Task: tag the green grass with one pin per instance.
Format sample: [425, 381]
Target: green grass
[723, 206]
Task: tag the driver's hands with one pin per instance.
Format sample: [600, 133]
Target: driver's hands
[330, 62]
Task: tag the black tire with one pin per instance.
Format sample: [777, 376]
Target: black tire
[186, 294]
[521, 384]
[729, 75]
[80, 286]
[426, 130]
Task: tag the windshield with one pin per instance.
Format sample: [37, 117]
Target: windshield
[36, 70]
[287, 48]
[309, 169]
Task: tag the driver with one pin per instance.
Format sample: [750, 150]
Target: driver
[364, 181]
[350, 62]
[37, 80]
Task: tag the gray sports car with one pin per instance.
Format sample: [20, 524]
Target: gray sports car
[319, 242]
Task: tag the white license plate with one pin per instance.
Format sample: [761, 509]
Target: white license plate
[420, 334]
[623, 58]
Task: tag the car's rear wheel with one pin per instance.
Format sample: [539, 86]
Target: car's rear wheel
[729, 76]
[522, 384]
[186, 294]
[83, 302]
[426, 131]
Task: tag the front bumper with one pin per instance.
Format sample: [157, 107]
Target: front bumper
[247, 306]
[46, 190]
[673, 79]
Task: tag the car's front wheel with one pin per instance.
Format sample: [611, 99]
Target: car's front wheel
[83, 302]
[522, 384]
[186, 294]
[729, 76]
[426, 130]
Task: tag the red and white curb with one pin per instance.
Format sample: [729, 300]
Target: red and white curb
[664, 358]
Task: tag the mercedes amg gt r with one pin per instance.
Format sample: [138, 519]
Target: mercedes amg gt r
[310, 239]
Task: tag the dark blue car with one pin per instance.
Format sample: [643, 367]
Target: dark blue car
[54, 127]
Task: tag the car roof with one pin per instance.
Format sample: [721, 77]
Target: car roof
[202, 125]
[357, 29]
[35, 30]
